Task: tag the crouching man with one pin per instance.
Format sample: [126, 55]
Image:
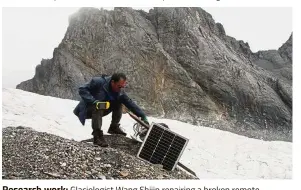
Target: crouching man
[94, 104]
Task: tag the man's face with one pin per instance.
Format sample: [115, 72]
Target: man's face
[117, 86]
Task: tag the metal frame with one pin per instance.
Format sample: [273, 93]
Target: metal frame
[151, 126]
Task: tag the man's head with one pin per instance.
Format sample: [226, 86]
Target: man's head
[118, 81]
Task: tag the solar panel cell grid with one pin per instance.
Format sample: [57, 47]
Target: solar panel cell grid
[162, 146]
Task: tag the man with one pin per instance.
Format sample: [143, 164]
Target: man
[94, 94]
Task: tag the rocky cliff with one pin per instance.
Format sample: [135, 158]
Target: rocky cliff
[180, 65]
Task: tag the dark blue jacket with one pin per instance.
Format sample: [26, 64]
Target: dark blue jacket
[99, 89]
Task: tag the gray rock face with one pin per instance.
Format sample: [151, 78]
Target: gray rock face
[180, 65]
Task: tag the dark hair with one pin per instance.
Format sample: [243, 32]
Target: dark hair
[116, 77]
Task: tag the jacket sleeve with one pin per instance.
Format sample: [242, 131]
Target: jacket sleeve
[85, 91]
[131, 105]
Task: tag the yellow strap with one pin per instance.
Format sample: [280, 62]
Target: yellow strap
[107, 105]
[97, 103]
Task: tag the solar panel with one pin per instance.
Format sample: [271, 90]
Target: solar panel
[162, 146]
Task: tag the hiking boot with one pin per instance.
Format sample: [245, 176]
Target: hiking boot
[99, 140]
[115, 129]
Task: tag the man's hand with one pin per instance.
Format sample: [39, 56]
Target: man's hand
[144, 119]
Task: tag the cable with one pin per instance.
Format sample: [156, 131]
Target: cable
[137, 129]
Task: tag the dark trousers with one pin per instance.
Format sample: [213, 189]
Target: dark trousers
[96, 115]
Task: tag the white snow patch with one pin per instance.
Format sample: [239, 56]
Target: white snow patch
[211, 153]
